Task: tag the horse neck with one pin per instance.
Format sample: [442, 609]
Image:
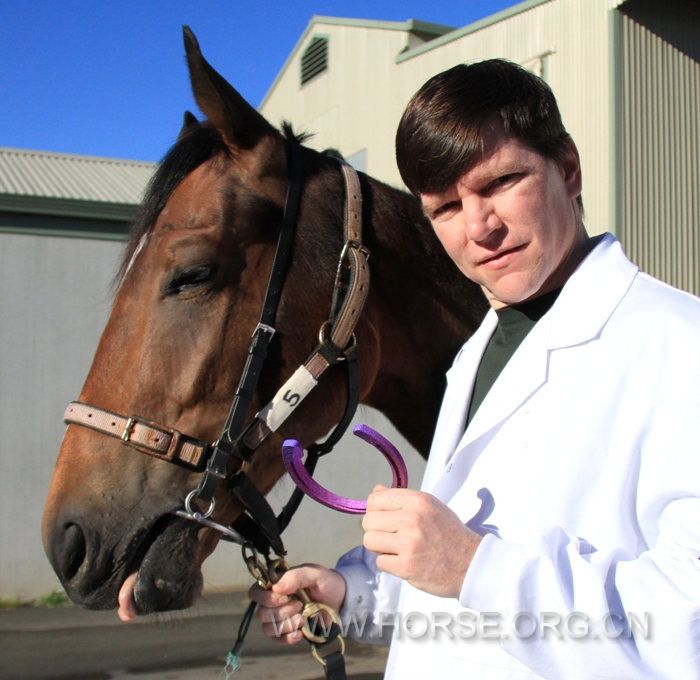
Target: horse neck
[423, 309]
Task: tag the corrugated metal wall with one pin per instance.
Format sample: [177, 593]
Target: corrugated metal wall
[659, 140]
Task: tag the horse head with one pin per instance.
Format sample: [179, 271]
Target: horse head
[189, 296]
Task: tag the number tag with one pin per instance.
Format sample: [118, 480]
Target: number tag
[288, 397]
[292, 398]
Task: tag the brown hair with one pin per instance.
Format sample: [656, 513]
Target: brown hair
[441, 132]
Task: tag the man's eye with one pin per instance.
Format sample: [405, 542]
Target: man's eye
[446, 208]
[506, 179]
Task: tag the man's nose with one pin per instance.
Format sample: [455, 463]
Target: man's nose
[480, 219]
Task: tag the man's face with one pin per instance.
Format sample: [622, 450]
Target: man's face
[510, 223]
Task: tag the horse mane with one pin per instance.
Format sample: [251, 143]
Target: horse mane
[291, 136]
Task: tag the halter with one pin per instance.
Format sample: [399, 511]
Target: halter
[258, 530]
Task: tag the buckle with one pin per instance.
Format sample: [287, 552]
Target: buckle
[355, 245]
[128, 429]
[264, 328]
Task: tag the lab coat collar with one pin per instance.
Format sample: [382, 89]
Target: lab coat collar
[591, 295]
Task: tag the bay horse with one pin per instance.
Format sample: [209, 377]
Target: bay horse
[189, 294]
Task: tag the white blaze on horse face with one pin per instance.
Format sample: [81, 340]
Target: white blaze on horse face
[137, 250]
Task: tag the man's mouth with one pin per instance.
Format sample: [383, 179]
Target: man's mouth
[502, 258]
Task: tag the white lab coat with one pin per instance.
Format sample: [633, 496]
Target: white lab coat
[581, 468]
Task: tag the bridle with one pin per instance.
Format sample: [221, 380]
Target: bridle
[258, 530]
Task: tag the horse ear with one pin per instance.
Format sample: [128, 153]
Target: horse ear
[239, 123]
[189, 122]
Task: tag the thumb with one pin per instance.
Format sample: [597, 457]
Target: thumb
[294, 579]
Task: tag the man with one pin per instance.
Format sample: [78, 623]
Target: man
[557, 532]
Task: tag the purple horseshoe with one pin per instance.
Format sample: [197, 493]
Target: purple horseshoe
[292, 453]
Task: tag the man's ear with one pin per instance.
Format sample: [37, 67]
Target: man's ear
[571, 169]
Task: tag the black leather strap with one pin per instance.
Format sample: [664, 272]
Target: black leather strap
[335, 666]
[225, 447]
[259, 509]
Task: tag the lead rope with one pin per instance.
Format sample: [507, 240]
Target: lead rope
[233, 660]
[327, 643]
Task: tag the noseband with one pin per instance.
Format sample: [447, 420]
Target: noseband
[258, 530]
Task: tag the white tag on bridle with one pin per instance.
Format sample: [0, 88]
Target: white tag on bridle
[288, 397]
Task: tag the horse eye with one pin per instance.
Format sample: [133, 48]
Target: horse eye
[188, 279]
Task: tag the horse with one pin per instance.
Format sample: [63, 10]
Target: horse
[188, 297]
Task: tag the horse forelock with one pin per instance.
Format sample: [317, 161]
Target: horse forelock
[194, 147]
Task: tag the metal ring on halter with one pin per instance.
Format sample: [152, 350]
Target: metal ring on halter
[196, 515]
[314, 650]
[323, 336]
[310, 611]
[323, 331]
[227, 533]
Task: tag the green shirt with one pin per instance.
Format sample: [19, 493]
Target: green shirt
[514, 323]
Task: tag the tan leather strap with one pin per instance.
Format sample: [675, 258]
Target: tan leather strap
[355, 256]
[353, 204]
[146, 436]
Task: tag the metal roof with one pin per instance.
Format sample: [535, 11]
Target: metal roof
[69, 177]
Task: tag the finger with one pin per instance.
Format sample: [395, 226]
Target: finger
[296, 578]
[284, 626]
[391, 564]
[384, 520]
[267, 598]
[289, 638]
[382, 542]
[388, 499]
[273, 614]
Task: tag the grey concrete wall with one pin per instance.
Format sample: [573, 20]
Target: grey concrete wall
[54, 299]
[55, 296]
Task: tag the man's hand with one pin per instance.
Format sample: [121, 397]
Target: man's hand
[419, 539]
[281, 614]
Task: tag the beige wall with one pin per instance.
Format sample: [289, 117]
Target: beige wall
[54, 299]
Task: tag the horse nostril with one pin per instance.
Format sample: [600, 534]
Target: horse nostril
[70, 551]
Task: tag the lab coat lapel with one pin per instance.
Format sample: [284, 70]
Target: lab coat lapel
[460, 383]
[522, 376]
[512, 388]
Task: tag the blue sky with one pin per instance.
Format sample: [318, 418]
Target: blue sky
[108, 78]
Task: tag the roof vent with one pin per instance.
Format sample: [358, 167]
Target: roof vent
[314, 60]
